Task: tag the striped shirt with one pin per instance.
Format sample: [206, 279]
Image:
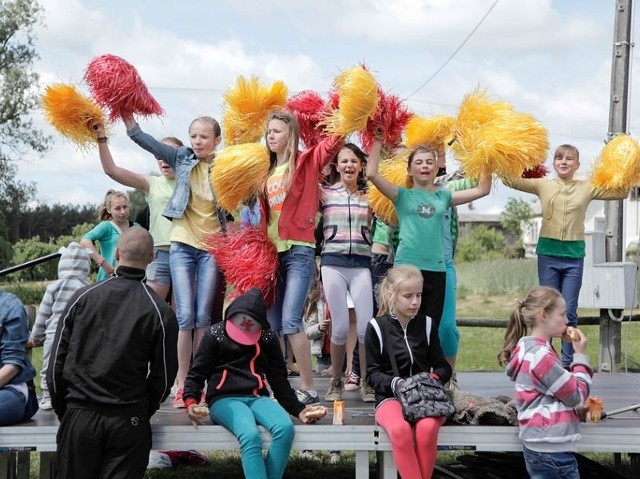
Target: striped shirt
[546, 395]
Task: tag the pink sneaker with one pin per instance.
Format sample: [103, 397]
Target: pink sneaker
[352, 383]
[177, 402]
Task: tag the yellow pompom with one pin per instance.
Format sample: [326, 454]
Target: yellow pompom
[618, 166]
[72, 114]
[491, 135]
[238, 173]
[433, 131]
[247, 106]
[358, 99]
[395, 171]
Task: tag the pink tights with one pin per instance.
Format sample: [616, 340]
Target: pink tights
[415, 446]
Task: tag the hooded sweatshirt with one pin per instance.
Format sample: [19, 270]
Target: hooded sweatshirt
[73, 272]
[232, 369]
[546, 395]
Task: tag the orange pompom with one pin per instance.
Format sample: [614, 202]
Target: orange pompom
[72, 114]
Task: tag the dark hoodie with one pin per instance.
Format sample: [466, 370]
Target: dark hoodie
[236, 370]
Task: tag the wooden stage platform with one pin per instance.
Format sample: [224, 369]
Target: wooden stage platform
[619, 433]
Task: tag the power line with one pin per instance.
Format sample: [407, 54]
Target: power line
[454, 52]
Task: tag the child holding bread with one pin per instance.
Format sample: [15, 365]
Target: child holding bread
[546, 394]
[235, 357]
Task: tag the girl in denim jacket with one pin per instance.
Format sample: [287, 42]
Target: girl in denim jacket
[193, 212]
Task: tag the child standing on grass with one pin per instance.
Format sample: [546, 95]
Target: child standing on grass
[546, 393]
[414, 340]
[73, 273]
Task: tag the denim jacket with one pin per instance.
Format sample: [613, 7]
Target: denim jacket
[14, 333]
[182, 160]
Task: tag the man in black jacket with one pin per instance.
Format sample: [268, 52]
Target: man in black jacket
[112, 364]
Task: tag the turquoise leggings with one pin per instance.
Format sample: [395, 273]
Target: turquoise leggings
[241, 416]
[448, 330]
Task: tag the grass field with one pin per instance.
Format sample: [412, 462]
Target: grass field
[481, 295]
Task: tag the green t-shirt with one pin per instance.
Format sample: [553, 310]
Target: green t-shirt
[420, 215]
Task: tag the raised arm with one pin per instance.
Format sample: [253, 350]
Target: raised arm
[466, 196]
[158, 149]
[385, 187]
[117, 173]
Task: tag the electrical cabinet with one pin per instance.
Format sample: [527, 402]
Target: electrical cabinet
[609, 286]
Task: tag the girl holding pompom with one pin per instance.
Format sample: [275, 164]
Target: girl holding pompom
[561, 245]
[157, 191]
[290, 204]
[194, 214]
[420, 211]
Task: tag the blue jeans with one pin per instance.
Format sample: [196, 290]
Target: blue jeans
[296, 271]
[241, 415]
[159, 270]
[14, 408]
[189, 266]
[551, 465]
[564, 274]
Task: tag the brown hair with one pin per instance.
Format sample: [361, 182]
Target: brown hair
[173, 141]
[103, 214]
[215, 126]
[523, 317]
[333, 177]
[389, 286]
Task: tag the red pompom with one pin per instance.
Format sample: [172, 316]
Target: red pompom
[248, 259]
[310, 109]
[116, 86]
[538, 171]
[391, 117]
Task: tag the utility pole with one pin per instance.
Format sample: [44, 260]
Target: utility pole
[609, 353]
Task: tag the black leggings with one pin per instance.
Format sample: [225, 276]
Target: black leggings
[433, 288]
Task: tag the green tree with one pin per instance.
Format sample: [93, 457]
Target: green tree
[18, 99]
[516, 214]
[30, 249]
[483, 243]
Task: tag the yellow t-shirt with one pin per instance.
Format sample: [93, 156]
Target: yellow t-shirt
[200, 217]
[276, 193]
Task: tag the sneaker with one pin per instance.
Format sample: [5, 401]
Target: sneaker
[306, 398]
[172, 392]
[452, 383]
[352, 383]
[45, 404]
[367, 393]
[177, 402]
[334, 457]
[334, 393]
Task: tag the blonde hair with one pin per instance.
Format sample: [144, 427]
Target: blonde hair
[291, 150]
[562, 149]
[389, 286]
[524, 315]
[103, 213]
[315, 294]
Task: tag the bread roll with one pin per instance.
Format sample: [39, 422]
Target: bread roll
[573, 333]
[316, 412]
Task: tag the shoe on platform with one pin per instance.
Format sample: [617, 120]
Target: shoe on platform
[367, 393]
[306, 398]
[352, 383]
[334, 393]
[177, 402]
[452, 383]
[45, 404]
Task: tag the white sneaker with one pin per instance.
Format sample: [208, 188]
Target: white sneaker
[45, 404]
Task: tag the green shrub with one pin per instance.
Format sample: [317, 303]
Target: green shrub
[28, 293]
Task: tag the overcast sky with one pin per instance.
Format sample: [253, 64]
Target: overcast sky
[548, 58]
